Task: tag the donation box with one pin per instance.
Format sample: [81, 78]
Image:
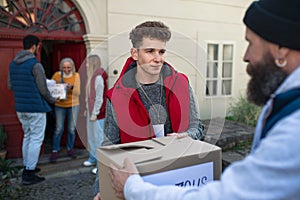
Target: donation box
[162, 161]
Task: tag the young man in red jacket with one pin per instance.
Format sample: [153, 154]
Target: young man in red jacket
[150, 98]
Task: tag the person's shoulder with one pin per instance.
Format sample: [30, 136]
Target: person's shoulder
[56, 74]
[169, 70]
[181, 75]
[76, 74]
[101, 72]
[287, 124]
[110, 91]
[37, 66]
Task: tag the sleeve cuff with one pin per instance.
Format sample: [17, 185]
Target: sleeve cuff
[132, 181]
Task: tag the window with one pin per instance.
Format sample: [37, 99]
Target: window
[41, 16]
[219, 68]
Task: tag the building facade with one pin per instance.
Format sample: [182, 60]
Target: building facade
[207, 44]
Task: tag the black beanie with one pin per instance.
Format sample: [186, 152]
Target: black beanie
[277, 21]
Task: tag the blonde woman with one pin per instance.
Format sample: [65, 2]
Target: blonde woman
[67, 107]
[96, 89]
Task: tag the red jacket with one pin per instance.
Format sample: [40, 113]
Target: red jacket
[133, 118]
[92, 95]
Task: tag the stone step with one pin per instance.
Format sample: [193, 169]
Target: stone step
[234, 138]
[227, 134]
[63, 165]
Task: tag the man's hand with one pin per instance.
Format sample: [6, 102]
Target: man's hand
[93, 118]
[119, 176]
[57, 99]
[97, 197]
[69, 86]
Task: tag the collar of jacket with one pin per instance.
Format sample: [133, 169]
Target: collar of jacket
[127, 76]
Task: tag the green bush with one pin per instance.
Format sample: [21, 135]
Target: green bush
[7, 172]
[244, 112]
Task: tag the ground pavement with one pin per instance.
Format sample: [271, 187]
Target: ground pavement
[65, 179]
[68, 179]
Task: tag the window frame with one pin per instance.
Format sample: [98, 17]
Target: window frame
[220, 62]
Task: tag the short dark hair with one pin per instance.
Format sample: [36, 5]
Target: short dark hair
[151, 29]
[29, 41]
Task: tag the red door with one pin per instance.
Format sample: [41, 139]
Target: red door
[8, 117]
[77, 52]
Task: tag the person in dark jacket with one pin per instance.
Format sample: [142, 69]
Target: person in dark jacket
[27, 80]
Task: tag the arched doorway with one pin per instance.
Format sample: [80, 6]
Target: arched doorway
[60, 27]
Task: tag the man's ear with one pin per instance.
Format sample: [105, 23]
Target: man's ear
[33, 48]
[134, 53]
[283, 52]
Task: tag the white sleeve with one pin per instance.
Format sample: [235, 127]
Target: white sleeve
[271, 171]
[99, 87]
[135, 188]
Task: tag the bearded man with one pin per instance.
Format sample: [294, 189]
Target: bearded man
[272, 169]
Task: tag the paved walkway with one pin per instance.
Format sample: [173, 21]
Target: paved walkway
[69, 186]
[68, 179]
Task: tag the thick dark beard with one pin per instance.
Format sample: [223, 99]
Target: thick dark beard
[266, 77]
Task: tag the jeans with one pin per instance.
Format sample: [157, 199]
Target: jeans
[33, 125]
[60, 115]
[94, 136]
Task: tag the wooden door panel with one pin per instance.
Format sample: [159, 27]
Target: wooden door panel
[8, 117]
[76, 51]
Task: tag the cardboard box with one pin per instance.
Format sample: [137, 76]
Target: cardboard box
[162, 161]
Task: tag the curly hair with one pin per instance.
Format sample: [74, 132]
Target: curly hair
[149, 29]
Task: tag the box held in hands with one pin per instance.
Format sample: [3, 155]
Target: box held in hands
[162, 161]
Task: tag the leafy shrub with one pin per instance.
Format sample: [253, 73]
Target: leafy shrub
[7, 172]
[244, 112]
